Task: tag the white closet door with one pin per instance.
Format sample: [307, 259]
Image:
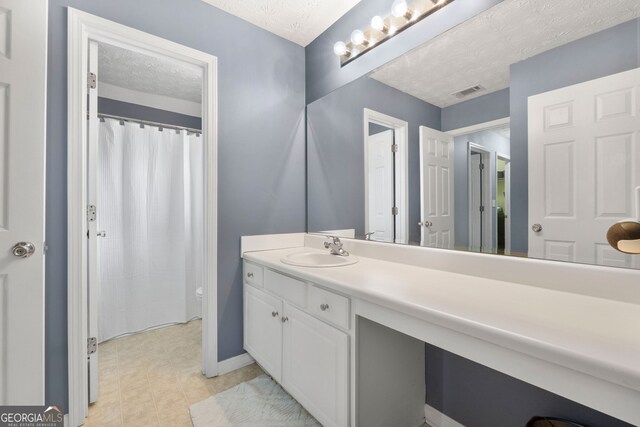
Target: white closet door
[23, 46]
[436, 188]
[584, 163]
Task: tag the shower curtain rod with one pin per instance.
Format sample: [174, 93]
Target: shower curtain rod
[147, 122]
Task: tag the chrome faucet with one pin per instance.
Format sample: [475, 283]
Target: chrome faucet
[335, 247]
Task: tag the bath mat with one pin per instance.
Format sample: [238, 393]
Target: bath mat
[259, 402]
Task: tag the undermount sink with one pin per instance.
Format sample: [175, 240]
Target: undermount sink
[316, 259]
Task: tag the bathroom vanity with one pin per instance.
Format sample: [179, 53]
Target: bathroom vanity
[348, 342]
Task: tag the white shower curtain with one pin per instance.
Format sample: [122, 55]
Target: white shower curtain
[150, 203]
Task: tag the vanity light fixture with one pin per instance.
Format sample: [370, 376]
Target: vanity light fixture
[403, 15]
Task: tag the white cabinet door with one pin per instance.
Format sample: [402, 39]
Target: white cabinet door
[23, 56]
[315, 366]
[436, 188]
[584, 165]
[263, 330]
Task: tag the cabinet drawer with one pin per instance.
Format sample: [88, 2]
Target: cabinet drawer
[331, 307]
[253, 274]
[292, 290]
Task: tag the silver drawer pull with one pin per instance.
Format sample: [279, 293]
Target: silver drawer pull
[324, 307]
[274, 314]
[285, 319]
[249, 275]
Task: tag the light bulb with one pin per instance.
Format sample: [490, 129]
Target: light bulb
[378, 23]
[357, 37]
[399, 8]
[340, 48]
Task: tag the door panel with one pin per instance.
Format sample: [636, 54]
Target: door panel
[263, 330]
[380, 186]
[436, 193]
[315, 366]
[23, 37]
[584, 163]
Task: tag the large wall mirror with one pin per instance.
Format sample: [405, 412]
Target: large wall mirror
[514, 133]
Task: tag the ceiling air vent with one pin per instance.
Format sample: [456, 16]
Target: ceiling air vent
[468, 91]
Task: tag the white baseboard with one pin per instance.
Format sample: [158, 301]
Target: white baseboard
[435, 418]
[237, 362]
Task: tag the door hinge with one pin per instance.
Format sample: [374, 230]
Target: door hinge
[91, 213]
[91, 81]
[481, 166]
[92, 345]
[394, 148]
[394, 210]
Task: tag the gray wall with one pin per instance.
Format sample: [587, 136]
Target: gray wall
[477, 396]
[485, 108]
[141, 112]
[607, 52]
[261, 149]
[335, 152]
[494, 142]
[324, 73]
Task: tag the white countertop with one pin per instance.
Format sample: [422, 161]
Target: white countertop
[596, 336]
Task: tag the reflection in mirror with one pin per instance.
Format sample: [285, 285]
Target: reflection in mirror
[516, 133]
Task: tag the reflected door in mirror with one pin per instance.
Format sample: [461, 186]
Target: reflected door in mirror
[584, 163]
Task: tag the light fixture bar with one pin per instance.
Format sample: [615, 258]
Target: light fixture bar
[403, 16]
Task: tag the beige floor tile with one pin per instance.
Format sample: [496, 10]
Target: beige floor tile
[151, 378]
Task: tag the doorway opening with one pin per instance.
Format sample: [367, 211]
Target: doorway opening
[142, 210]
[484, 224]
[503, 196]
[386, 175]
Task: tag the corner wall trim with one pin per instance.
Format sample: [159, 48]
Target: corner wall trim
[233, 363]
[435, 418]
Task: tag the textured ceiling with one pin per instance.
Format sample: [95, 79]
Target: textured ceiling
[480, 51]
[300, 21]
[145, 73]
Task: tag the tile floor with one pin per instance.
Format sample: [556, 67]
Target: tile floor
[150, 379]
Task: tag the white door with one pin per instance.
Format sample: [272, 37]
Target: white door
[480, 199]
[584, 163]
[380, 185]
[23, 46]
[92, 232]
[315, 366]
[263, 330]
[436, 188]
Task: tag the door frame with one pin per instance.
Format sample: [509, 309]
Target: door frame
[401, 138]
[83, 27]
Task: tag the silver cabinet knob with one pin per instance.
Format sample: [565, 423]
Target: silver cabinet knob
[102, 234]
[285, 319]
[274, 314]
[23, 249]
[536, 228]
[324, 307]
